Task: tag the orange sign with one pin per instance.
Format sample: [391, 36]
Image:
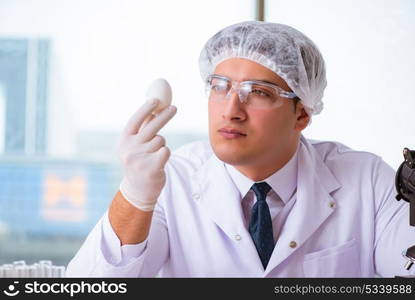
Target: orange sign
[64, 200]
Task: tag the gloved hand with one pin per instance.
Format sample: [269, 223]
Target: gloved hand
[143, 155]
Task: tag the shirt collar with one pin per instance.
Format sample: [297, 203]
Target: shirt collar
[283, 182]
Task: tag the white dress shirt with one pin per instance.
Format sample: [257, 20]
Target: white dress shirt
[280, 198]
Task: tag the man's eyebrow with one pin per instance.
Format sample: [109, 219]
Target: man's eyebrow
[265, 80]
[282, 86]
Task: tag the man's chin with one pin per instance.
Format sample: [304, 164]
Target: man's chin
[231, 156]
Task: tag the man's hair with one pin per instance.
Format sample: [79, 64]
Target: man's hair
[295, 101]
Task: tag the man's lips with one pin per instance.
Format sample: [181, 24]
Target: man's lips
[231, 133]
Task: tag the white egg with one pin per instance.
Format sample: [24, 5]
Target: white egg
[160, 89]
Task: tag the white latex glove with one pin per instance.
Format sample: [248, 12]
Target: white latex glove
[143, 154]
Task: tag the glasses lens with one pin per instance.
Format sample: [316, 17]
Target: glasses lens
[217, 88]
[253, 93]
[260, 96]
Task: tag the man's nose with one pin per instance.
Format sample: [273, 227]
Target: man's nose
[233, 108]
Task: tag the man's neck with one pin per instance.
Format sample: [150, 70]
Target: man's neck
[262, 170]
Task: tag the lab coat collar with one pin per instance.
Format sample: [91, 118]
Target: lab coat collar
[314, 204]
[215, 191]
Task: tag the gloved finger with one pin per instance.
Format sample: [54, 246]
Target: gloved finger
[146, 121]
[154, 144]
[151, 129]
[158, 159]
[164, 154]
[135, 121]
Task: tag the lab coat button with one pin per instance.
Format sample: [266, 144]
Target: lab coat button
[293, 244]
[196, 196]
[332, 204]
[238, 237]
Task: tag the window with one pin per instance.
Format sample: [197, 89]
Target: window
[71, 74]
[368, 48]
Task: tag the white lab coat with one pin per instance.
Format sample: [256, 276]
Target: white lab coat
[345, 222]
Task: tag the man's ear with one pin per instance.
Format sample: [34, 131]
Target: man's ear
[302, 118]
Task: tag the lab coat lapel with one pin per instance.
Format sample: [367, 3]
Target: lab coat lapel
[313, 206]
[221, 201]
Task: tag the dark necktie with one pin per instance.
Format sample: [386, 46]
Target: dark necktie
[260, 225]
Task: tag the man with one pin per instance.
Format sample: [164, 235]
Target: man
[259, 200]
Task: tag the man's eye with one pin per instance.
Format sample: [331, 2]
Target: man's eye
[260, 92]
[219, 87]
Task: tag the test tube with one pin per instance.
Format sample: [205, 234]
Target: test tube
[21, 271]
[19, 263]
[38, 270]
[45, 262]
[61, 271]
[32, 271]
[45, 266]
[41, 269]
[9, 271]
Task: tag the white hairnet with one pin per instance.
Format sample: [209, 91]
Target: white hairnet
[280, 48]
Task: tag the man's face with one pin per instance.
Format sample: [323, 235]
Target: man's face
[268, 133]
